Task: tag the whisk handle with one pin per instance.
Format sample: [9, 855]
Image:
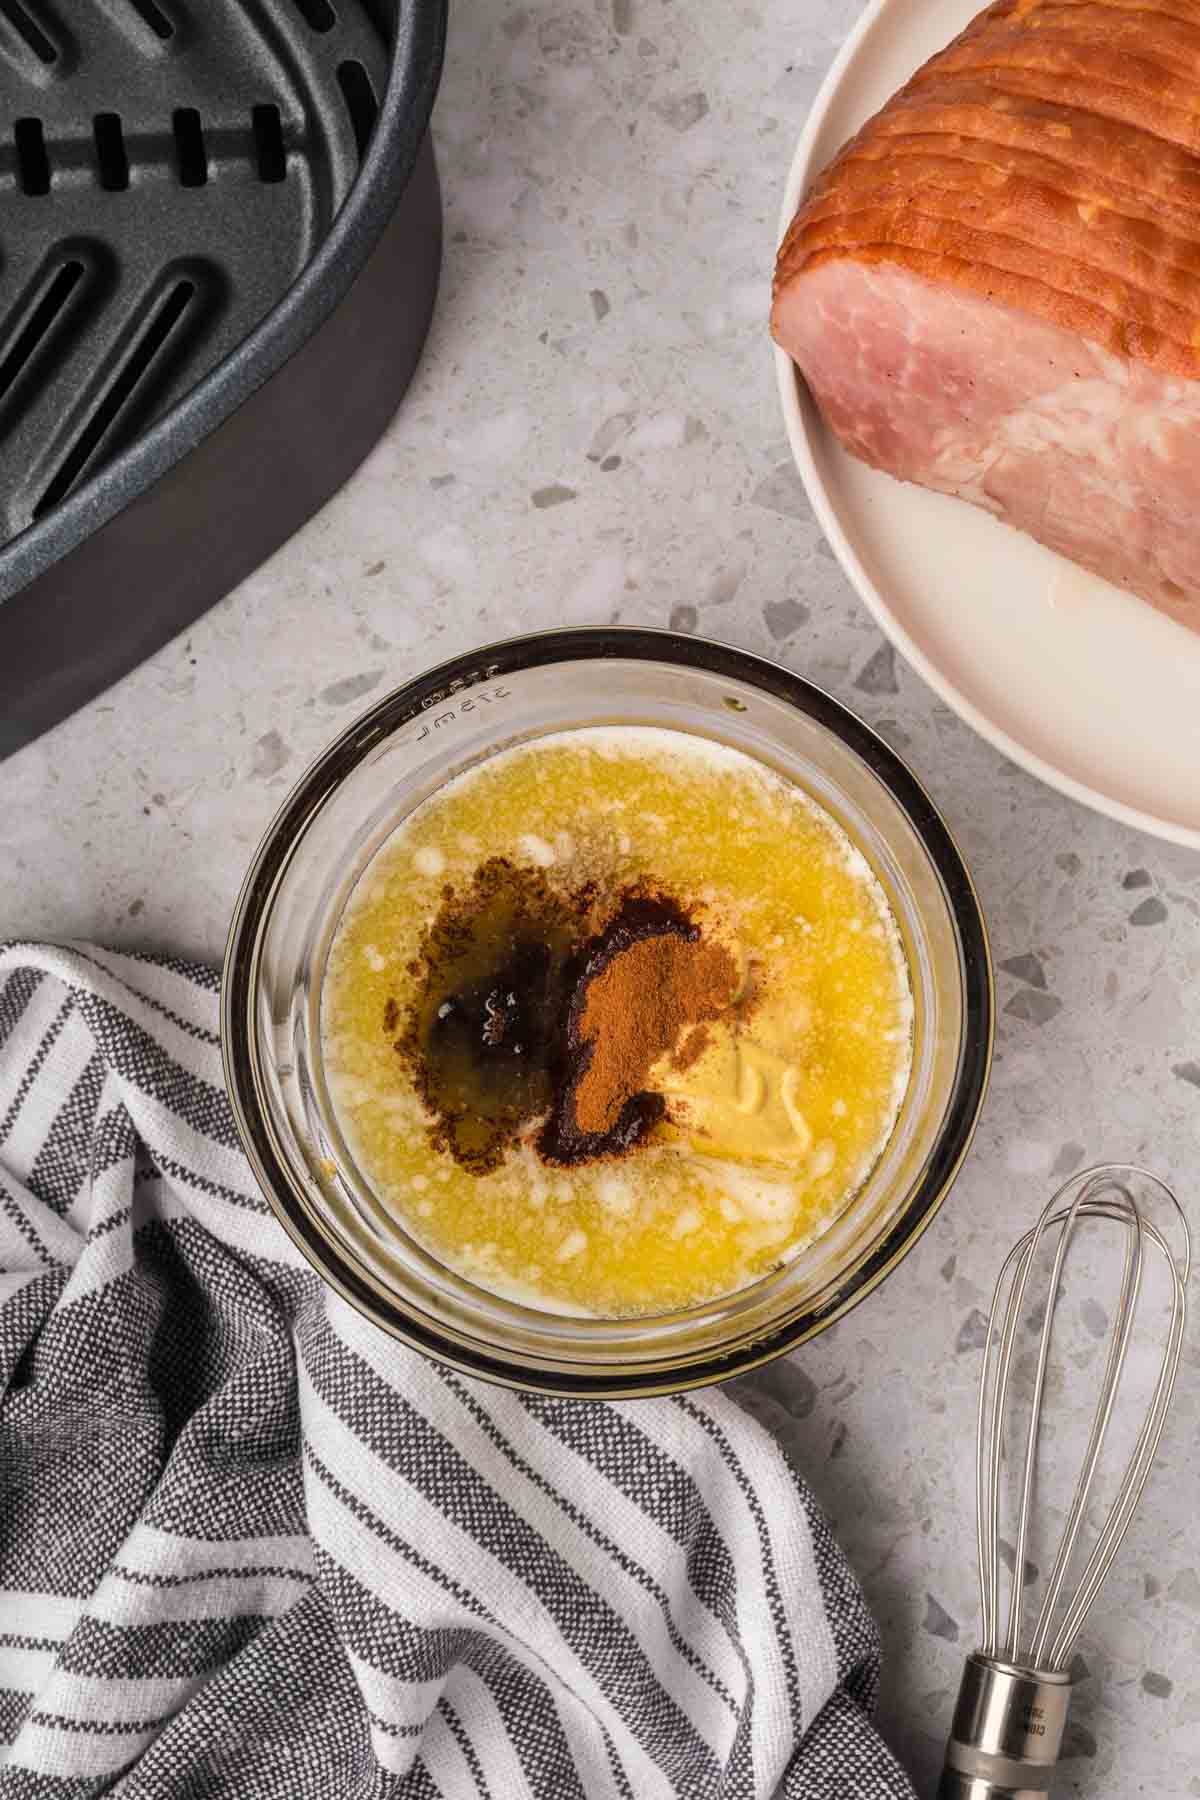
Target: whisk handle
[1007, 1732]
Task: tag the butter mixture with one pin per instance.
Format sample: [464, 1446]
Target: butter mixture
[617, 1021]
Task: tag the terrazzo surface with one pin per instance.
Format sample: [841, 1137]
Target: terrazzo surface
[594, 436]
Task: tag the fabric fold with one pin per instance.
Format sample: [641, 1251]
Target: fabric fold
[250, 1545]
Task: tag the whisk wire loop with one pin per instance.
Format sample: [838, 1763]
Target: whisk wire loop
[1118, 1344]
[1013, 1703]
[1099, 1193]
[1141, 1460]
[1033, 1436]
[990, 1438]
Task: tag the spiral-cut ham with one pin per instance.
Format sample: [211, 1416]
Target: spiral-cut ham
[994, 289]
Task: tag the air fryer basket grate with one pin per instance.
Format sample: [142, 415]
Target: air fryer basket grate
[169, 169]
[220, 237]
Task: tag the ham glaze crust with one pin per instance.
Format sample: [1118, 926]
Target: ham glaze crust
[994, 289]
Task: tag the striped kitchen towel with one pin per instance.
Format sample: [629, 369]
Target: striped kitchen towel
[249, 1546]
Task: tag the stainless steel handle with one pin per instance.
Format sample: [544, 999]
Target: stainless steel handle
[1007, 1732]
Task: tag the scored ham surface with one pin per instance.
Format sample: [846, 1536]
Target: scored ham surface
[994, 289]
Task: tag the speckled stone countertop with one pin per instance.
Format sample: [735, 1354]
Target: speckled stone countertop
[594, 435]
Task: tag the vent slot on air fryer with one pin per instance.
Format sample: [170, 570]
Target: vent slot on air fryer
[134, 370]
[25, 25]
[33, 165]
[154, 17]
[318, 13]
[201, 166]
[360, 100]
[36, 330]
[268, 144]
[111, 157]
[189, 147]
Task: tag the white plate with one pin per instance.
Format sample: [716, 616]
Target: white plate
[1085, 686]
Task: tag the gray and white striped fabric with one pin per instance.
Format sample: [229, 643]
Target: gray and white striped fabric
[250, 1546]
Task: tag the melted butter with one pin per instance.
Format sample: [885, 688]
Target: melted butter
[768, 1134]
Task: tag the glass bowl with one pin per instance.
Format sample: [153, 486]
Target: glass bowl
[395, 757]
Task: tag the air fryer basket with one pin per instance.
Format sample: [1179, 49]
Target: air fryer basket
[220, 234]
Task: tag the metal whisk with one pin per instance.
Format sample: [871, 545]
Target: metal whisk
[1012, 1706]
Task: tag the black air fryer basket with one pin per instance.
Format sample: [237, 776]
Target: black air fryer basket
[220, 234]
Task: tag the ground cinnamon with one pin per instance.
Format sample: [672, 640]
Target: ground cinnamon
[637, 1009]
